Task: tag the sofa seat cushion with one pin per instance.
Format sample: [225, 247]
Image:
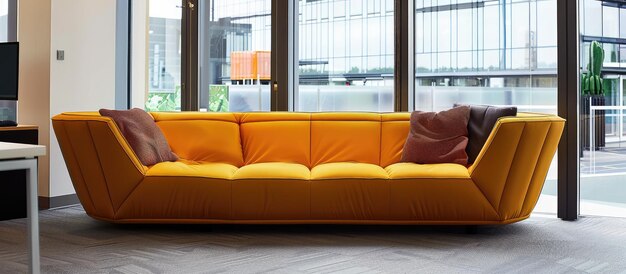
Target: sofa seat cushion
[183, 168]
[273, 171]
[441, 171]
[346, 170]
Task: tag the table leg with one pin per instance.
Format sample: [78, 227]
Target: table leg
[33, 216]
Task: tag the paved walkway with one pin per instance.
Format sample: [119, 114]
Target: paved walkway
[610, 160]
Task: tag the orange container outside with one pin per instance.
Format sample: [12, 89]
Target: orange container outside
[263, 65]
[235, 65]
[250, 65]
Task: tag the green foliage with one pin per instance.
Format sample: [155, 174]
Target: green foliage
[614, 56]
[592, 83]
[381, 70]
[610, 86]
[218, 98]
[312, 71]
[163, 101]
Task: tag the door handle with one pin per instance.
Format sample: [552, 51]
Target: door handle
[188, 5]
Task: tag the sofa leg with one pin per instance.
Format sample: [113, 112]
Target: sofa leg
[471, 229]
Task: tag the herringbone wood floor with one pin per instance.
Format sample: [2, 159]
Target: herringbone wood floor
[74, 243]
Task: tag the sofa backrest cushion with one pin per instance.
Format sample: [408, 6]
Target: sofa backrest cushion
[276, 137]
[143, 136]
[345, 137]
[395, 128]
[309, 139]
[203, 137]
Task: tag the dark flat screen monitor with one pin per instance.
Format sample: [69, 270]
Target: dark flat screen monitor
[9, 66]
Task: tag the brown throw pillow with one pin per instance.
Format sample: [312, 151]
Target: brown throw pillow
[437, 137]
[142, 134]
[481, 122]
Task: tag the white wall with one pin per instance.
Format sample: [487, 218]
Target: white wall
[85, 80]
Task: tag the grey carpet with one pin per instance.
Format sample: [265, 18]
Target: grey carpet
[74, 243]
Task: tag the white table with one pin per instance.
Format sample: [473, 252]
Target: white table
[21, 156]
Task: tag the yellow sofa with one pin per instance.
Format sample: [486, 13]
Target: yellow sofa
[295, 168]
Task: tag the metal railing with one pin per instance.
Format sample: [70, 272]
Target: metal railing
[592, 130]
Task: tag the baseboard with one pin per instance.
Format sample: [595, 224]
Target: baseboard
[58, 201]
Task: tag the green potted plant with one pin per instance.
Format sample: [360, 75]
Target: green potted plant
[592, 87]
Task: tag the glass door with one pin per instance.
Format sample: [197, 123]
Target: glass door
[164, 55]
[602, 142]
[234, 55]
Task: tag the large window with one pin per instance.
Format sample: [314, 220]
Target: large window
[346, 55]
[235, 55]
[602, 115]
[352, 55]
[488, 52]
[345, 59]
[492, 52]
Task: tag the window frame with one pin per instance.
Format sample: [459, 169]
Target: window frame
[12, 21]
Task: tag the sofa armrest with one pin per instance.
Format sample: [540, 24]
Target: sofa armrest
[103, 168]
[512, 166]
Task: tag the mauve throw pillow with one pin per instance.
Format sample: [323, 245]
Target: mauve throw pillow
[481, 122]
[437, 137]
[142, 134]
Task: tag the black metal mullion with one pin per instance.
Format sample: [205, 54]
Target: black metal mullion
[189, 56]
[12, 21]
[284, 55]
[404, 53]
[568, 73]
[129, 81]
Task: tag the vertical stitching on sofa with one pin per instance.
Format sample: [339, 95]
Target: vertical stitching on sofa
[543, 145]
[310, 165]
[78, 163]
[132, 191]
[486, 147]
[380, 140]
[486, 199]
[101, 169]
[230, 208]
[495, 211]
[232, 181]
[533, 172]
[310, 142]
[508, 173]
[113, 126]
[380, 163]
[123, 204]
[243, 152]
